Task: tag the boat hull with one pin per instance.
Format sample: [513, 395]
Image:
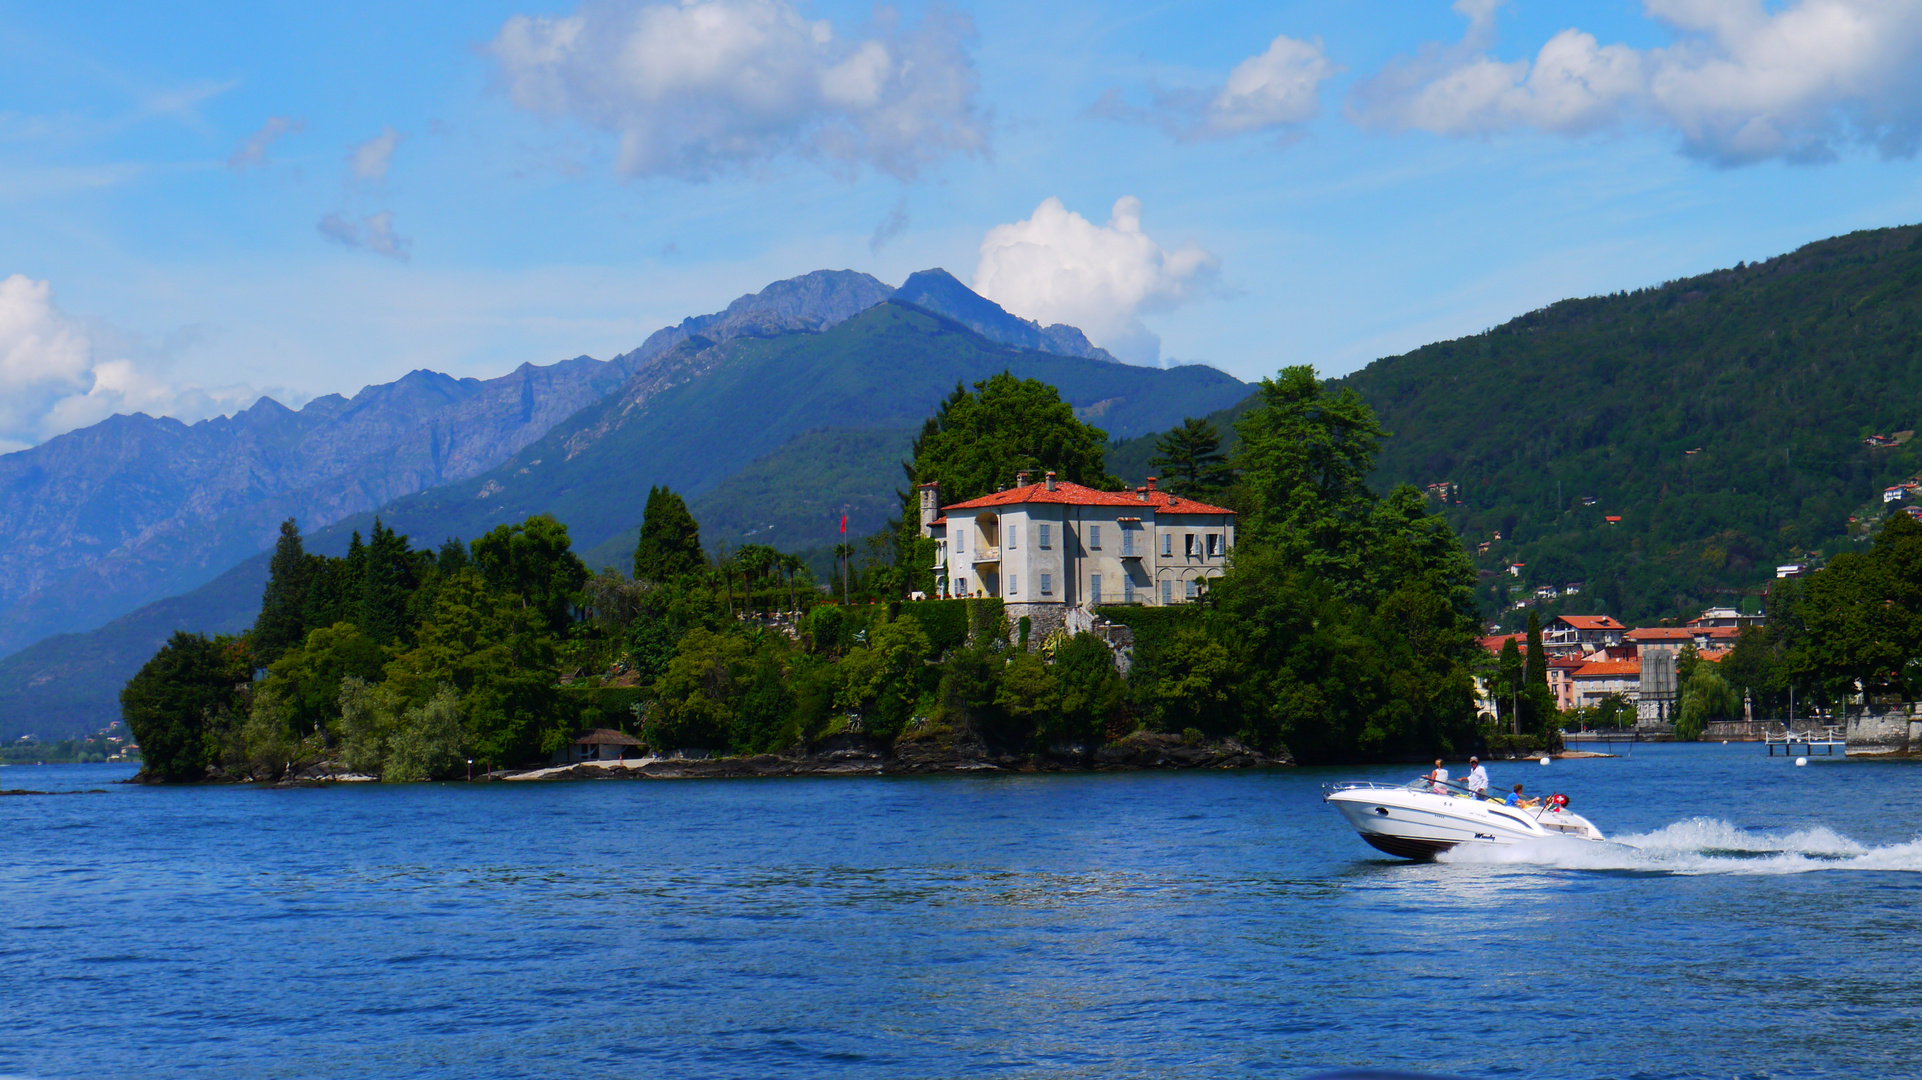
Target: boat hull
[1414, 824]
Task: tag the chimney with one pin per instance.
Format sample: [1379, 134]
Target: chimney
[930, 507]
[1021, 478]
[1050, 480]
[1151, 483]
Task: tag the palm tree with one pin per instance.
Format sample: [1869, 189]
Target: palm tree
[791, 565]
[845, 553]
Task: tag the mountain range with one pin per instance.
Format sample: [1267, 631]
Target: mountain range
[775, 416]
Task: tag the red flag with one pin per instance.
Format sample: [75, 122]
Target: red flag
[844, 524]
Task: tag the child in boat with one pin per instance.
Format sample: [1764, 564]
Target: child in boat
[1515, 798]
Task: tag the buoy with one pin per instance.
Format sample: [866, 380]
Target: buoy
[1801, 761]
[1544, 759]
[1724, 742]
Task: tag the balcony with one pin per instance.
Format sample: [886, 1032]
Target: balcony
[986, 555]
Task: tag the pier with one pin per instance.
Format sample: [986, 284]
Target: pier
[1830, 740]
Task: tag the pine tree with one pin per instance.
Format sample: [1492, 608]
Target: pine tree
[386, 580]
[670, 542]
[281, 624]
[1190, 460]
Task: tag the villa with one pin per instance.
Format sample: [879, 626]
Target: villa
[1046, 547]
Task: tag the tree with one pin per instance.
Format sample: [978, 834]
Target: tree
[1189, 459]
[670, 543]
[1305, 457]
[1538, 702]
[183, 701]
[386, 580]
[534, 563]
[976, 442]
[281, 622]
[303, 690]
[1705, 696]
[1508, 685]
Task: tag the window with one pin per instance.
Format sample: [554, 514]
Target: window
[960, 586]
[1094, 538]
[1045, 540]
[1094, 587]
[1047, 582]
[1214, 545]
[1194, 588]
[1127, 585]
[1188, 545]
[1013, 532]
[1167, 592]
[1014, 584]
[1167, 543]
[1127, 542]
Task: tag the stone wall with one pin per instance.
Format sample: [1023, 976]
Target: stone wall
[1892, 734]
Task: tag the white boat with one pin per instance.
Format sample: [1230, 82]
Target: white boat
[1424, 818]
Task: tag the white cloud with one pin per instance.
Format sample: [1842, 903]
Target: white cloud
[52, 382]
[1276, 90]
[1741, 82]
[370, 159]
[706, 87]
[1059, 267]
[253, 152]
[375, 233]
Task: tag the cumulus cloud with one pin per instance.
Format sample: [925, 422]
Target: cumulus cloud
[52, 381]
[1741, 82]
[1276, 90]
[370, 159]
[705, 87]
[373, 233]
[252, 153]
[1059, 267]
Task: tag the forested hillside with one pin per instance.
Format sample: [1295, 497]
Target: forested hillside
[1721, 418]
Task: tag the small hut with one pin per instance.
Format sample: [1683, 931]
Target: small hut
[600, 744]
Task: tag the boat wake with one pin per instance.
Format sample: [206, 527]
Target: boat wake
[1704, 846]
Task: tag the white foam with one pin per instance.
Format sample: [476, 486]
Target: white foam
[1704, 846]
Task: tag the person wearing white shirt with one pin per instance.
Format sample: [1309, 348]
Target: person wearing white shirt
[1477, 780]
[1438, 780]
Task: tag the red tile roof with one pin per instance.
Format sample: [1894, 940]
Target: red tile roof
[1660, 633]
[1605, 669]
[1590, 622]
[1494, 644]
[1068, 494]
[1713, 656]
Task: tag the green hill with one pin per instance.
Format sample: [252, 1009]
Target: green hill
[1721, 418]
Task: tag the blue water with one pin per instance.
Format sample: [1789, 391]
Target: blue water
[1083, 925]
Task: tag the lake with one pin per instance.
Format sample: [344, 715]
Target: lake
[1108, 925]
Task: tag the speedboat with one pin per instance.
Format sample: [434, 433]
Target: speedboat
[1423, 818]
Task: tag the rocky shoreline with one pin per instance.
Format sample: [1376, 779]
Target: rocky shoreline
[856, 756]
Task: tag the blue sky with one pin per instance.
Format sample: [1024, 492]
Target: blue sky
[202, 202]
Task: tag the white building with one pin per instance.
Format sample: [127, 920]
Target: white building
[1043, 548]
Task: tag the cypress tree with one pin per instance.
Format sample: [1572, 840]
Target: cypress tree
[1538, 703]
[670, 539]
[281, 624]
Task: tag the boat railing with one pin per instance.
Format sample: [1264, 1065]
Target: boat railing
[1419, 783]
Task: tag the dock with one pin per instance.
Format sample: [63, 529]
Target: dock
[1830, 740]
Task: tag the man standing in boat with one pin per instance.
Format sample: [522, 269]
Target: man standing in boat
[1477, 779]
